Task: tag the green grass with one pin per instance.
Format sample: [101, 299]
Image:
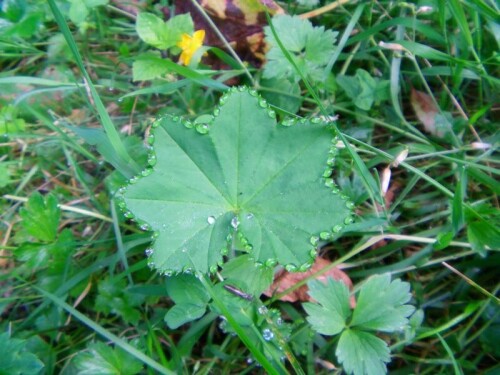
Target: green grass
[72, 124]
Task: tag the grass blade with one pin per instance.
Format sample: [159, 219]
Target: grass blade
[106, 334]
[126, 165]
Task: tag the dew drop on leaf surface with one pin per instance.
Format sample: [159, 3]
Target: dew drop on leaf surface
[235, 222]
[267, 334]
[263, 310]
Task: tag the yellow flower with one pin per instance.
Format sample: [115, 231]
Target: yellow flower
[189, 45]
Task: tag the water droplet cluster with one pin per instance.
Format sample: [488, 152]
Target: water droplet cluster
[329, 182]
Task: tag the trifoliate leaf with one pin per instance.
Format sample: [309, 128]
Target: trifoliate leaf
[241, 175]
[102, 359]
[311, 48]
[381, 305]
[362, 353]
[361, 88]
[41, 216]
[328, 317]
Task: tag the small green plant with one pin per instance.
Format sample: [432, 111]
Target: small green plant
[235, 189]
[17, 358]
[381, 307]
[311, 48]
[240, 182]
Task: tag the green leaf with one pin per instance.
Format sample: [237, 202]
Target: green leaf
[176, 26]
[182, 314]
[285, 94]
[382, 305]
[186, 289]
[16, 359]
[443, 240]
[4, 175]
[13, 10]
[148, 67]
[78, 12]
[105, 360]
[309, 46]
[241, 174]
[362, 353]
[41, 216]
[349, 84]
[246, 275]
[361, 88]
[151, 29]
[114, 298]
[329, 316]
[163, 35]
[52, 256]
[481, 234]
[368, 86]
[9, 123]
[190, 299]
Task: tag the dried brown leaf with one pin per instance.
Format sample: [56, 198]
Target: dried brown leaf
[284, 280]
[425, 109]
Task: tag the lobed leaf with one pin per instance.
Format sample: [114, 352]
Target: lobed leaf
[382, 305]
[16, 358]
[329, 317]
[362, 353]
[311, 48]
[41, 216]
[240, 178]
[103, 359]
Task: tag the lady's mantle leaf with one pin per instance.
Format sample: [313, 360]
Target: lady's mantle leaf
[240, 175]
[362, 353]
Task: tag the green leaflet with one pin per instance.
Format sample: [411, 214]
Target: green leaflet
[237, 180]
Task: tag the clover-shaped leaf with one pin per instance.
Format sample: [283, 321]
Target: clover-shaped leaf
[382, 305]
[238, 180]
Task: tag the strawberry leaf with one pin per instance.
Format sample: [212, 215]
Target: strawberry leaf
[237, 180]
